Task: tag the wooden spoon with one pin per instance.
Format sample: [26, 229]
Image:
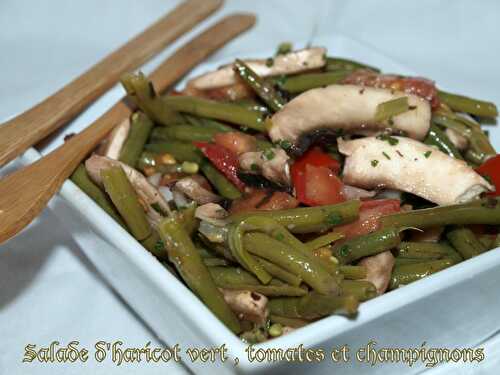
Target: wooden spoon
[24, 193]
[30, 127]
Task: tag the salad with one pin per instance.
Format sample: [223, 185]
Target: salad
[288, 189]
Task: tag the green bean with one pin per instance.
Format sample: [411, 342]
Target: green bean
[401, 261]
[353, 272]
[337, 63]
[252, 105]
[422, 250]
[324, 240]
[487, 240]
[263, 145]
[280, 273]
[237, 278]
[125, 199]
[436, 137]
[140, 128]
[465, 242]
[231, 113]
[142, 92]
[363, 290]
[186, 216]
[310, 219]
[366, 245]
[219, 181]
[184, 133]
[181, 151]
[262, 88]
[485, 211]
[154, 245]
[214, 262]
[189, 264]
[82, 180]
[216, 125]
[461, 103]
[278, 232]
[289, 322]
[407, 273]
[291, 260]
[390, 108]
[240, 252]
[313, 306]
[478, 141]
[303, 82]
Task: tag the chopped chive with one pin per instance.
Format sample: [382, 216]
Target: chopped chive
[254, 167]
[280, 237]
[334, 218]
[385, 154]
[427, 154]
[384, 137]
[269, 154]
[374, 163]
[283, 48]
[269, 62]
[391, 108]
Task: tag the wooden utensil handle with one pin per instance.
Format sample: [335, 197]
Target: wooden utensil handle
[24, 193]
[30, 127]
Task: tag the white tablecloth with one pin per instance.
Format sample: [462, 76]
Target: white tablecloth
[49, 290]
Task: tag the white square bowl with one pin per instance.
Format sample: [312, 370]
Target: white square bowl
[455, 308]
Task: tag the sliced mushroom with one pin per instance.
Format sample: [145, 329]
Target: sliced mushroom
[212, 213]
[346, 108]
[379, 269]
[148, 194]
[195, 187]
[111, 147]
[353, 192]
[411, 166]
[247, 305]
[289, 63]
[458, 140]
[272, 163]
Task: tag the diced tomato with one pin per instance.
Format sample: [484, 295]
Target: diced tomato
[491, 170]
[237, 142]
[370, 213]
[262, 200]
[224, 160]
[314, 178]
[322, 186]
[411, 85]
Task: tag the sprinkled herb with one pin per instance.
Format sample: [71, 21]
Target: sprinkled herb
[344, 250]
[158, 209]
[427, 154]
[285, 47]
[387, 156]
[269, 154]
[280, 237]
[334, 219]
[391, 108]
[488, 178]
[374, 162]
[285, 144]
[384, 137]
[254, 167]
[269, 62]
[159, 246]
[399, 153]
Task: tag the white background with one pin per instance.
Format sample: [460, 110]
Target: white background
[48, 289]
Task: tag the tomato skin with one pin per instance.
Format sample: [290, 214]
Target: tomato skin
[370, 213]
[411, 85]
[224, 160]
[314, 178]
[237, 142]
[491, 170]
